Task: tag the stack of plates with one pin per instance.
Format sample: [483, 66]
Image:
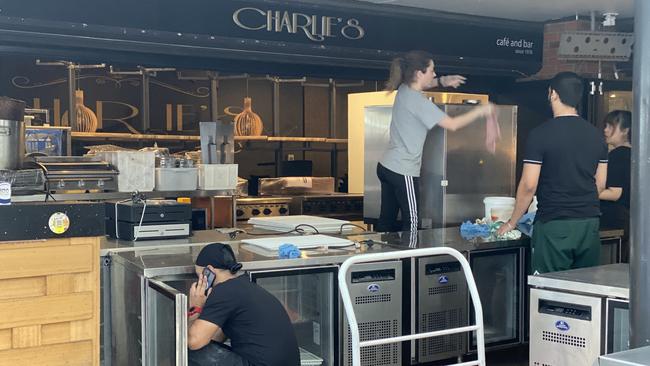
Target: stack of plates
[288, 223]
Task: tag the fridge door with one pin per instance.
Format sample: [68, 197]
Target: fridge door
[447, 195]
[309, 296]
[165, 324]
[376, 135]
[497, 275]
[617, 326]
[466, 156]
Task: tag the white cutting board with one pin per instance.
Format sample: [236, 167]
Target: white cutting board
[302, 242]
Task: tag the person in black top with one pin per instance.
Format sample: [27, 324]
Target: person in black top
[565, 163]
[615, 199]
[256, 323]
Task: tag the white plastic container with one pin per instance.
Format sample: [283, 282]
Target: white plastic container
[137, 169]
[501, 206]
[176, 179]
[218, 176]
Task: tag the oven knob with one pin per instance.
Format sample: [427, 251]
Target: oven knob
[283, 210]
[255, 212]
[240, 213]
[267, 211]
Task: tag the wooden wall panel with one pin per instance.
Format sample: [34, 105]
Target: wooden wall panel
[24, 337]
[67, 354]
[5, 339]
[22, 287]
[49, 301]
[45, 261]
[60, 284]
[55, 333]
[45, 309]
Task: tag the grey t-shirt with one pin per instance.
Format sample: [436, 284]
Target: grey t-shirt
[413, 116]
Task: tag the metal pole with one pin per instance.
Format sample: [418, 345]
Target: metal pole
[640, 202]
[214, 88]
[72, 99]
[146, 123]
[332, 134]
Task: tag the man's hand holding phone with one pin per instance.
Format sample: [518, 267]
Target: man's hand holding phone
[200, 290]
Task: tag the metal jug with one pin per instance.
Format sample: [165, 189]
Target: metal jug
[12, 133]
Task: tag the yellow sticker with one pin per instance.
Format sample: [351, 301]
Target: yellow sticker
[59, 223]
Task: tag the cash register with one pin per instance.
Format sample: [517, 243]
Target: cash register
[141, 219]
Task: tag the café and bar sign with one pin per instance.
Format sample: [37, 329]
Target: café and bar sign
[316, 28]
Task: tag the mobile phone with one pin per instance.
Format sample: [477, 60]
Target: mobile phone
[209, 275]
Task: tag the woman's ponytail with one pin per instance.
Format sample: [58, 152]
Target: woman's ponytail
[395, 78]
[402, 69]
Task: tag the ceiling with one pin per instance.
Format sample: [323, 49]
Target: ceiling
[529, 10]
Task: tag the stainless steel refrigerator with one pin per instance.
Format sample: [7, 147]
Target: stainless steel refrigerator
[457, 171]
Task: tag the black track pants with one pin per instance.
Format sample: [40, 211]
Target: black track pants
[399, 193]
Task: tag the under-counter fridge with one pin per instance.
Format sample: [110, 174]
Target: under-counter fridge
[457, 170]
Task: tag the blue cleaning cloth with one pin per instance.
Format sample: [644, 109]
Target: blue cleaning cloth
[525, 224]
[288, 251]
[469, 230]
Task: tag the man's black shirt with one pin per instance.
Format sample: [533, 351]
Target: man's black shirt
[569, 150]
[256, 323]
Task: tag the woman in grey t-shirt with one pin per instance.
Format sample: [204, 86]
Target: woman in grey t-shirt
[413, 116]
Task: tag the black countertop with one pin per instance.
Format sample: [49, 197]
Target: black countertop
[47, 220]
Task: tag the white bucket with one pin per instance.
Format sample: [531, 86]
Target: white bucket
[500, 207]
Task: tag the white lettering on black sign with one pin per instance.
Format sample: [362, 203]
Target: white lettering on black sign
[315, 27]
[519, 46]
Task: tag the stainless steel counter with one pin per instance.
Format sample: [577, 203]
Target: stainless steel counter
[446, 237]
[634, 357]
[179, 259]
[611, 280]
[104, 196]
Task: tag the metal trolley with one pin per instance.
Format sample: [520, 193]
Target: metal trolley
[426, 252]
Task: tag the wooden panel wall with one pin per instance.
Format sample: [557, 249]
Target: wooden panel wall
[49, 302]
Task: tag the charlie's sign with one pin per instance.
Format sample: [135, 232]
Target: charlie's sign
[315, 27]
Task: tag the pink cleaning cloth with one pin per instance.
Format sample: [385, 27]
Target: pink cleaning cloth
[492, 132]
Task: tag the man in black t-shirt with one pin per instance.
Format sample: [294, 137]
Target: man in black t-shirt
[256, 323]
[565, 163]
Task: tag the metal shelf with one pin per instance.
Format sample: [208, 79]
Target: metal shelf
[94, 136]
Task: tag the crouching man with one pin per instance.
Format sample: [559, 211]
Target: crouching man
[234, 308]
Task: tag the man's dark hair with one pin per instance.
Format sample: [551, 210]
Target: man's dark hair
[569, 87]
